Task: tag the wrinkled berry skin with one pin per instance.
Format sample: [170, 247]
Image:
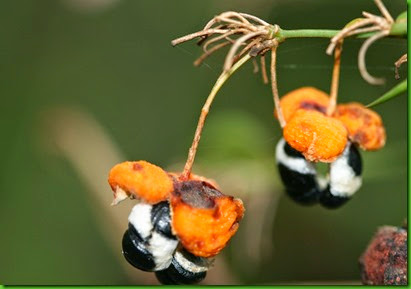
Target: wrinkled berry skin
[384, 262]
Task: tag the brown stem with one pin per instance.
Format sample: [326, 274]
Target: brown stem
[335, 79]
[197, 34]
[398, 63]
[231, 53]
[206, 54]
[263, 69]
[384, 11]
[185, 175]
[274, 86]
[361, 59]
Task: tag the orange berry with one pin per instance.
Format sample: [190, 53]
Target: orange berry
[364, 126]
[203, 218]
[308, 98]
[316, 136]
[141, 180]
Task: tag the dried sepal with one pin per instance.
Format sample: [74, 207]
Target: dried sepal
[364, 125]
[194, 177]
[141, 180]
[203, 218]
[316, 136]
[308, 98]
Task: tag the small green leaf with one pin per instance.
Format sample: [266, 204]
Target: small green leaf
[393, 92]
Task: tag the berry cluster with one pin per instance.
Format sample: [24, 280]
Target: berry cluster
[177, 226]
[310, 135]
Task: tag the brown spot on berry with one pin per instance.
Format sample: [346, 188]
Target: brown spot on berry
[364, 126]
[308, 98]
[311, 105]
[137, 166]
[204, 219]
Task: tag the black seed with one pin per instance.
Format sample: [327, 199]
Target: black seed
[163, 278]
[160, 218]
[135, 251]
[176, 274]
[302, 188]
[354, 160]
[330, 201]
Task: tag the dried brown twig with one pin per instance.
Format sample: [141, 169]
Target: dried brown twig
[398, 64]
[237, 29]
[255, 36]
[371, 23]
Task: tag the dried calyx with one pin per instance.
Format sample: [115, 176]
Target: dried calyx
[381, 26]
[240, 30]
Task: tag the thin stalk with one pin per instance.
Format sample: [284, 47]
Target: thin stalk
[185, 175]
[335, 79]
[398, 28]
[274, 88]
[315, 33]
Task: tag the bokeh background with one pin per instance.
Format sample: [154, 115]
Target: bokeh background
[85, 84]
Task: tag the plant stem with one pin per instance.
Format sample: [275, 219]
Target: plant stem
[185, 175]
[393, 92]
[398, 28]
[274, 87]
[314, 33]
[335, 79]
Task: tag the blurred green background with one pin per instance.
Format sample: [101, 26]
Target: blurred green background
[86, 83]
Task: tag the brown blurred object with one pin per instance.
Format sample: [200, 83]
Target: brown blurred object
[385, 260]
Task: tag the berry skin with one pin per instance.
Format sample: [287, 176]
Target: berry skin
[316, 136]
[203, 218]
[140, 180]
[364, 126]
[307, 98]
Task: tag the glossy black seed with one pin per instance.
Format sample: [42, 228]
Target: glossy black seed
[163, 277]
[160, 218]
[330, 201]
[176, 274]
[135, 251]
[354, 160]
[302, 188]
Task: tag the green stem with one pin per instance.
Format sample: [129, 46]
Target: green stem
[314, 33]
[393, 92]
[399, 28]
